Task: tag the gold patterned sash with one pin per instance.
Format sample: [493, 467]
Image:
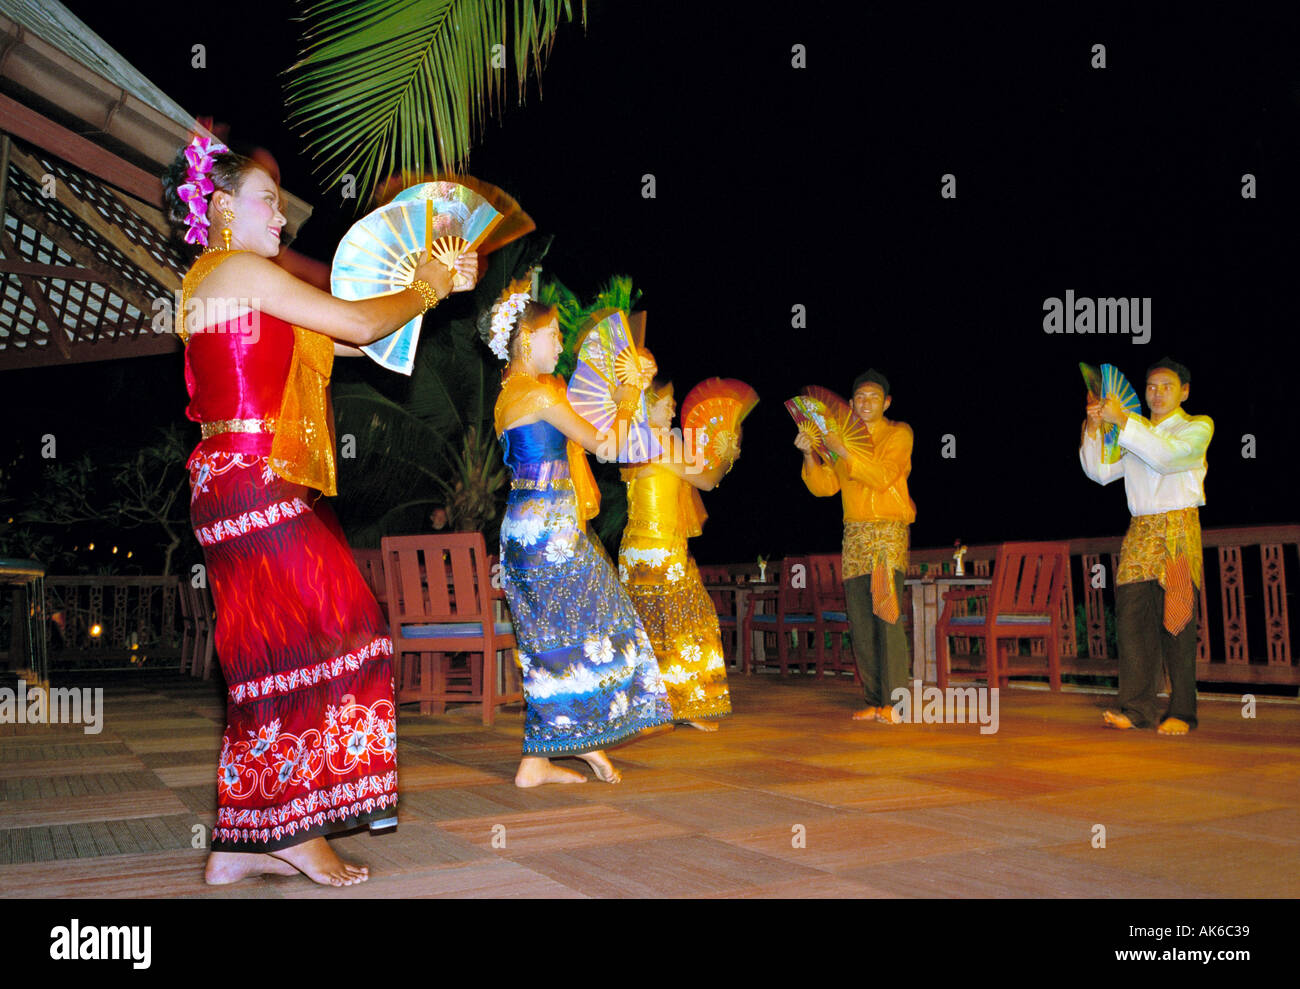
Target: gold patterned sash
[878, 548]
[1152, 541]
[1165, 547]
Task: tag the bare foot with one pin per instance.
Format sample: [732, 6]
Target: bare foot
[1114, 719]
[866, 714]
[535, 770]
[703, 725]
[230, 867]
[317, 861]
[1173, 726]
[888, 716]
[603, 768]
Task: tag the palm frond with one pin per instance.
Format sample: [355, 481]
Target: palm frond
[385, 86]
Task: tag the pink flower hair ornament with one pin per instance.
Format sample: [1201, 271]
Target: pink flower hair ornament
[198, 187]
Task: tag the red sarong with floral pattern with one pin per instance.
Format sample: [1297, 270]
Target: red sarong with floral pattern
[310, 745]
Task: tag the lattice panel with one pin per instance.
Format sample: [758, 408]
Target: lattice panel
[111, 208]
[26, 187]
[1277, 628]
[1094, 610]
[81, 308]
[1234, 605]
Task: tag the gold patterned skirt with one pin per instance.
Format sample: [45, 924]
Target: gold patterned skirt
[664, 584]
[1153, 540]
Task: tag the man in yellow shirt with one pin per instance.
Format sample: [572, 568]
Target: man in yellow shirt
[877, 512]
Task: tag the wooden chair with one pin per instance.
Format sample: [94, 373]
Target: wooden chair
[371, 564]
[791, 618]
[829, 606]
[441, 603]
[1023, 602]
[722, 592]
[205, 629]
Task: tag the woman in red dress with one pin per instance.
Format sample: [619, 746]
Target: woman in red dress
[310, 746]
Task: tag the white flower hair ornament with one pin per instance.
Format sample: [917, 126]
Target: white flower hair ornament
[504, 315]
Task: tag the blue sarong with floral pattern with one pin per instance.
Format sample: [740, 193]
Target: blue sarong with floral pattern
[590, 676]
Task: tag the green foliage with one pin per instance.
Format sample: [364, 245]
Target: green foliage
[144, 489]
[573, 314]
[385, 86]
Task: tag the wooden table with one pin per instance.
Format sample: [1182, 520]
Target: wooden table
[927, 605]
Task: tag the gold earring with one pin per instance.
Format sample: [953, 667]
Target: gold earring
[227, 215]
[526, 346]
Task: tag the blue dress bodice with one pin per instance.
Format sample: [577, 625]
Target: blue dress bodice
[536, 443]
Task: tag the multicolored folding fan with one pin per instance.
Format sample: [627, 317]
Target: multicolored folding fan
[1092, 379]
[607, 358]
[379, 254]
[813, 420]
[1107, 381]
[712, 414]
[513, 222]
[839, 417]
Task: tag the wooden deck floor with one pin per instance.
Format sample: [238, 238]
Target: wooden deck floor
[789, 799]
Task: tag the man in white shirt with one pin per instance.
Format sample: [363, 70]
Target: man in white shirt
[1162, 462]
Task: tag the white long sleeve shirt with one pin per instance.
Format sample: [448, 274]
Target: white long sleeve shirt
[1163, 466]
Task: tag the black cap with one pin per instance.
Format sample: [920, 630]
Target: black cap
[871, 377]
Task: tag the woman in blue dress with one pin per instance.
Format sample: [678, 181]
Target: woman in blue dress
[590, 677]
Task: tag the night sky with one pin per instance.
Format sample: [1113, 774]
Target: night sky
[820, 186]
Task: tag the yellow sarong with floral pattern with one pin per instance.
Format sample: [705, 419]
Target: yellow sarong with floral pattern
[664, 584]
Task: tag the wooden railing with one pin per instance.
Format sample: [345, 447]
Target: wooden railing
[1245, 637]
[105, 623]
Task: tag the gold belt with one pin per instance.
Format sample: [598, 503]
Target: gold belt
[211, 429]
[549, 484]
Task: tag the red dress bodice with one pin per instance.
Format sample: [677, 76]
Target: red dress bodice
[237, 370]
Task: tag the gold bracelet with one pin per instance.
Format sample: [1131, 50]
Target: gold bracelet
[427, 292]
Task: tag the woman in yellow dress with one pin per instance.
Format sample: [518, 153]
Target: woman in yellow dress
[664, 509]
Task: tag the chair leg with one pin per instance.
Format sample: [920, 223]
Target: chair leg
[747, 647]
[991, 659]
[941, 658]
[490, 673]
[208, 652]
[427, 663]
[1054, 662]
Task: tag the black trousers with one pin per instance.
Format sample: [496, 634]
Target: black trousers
[879, 647]
[1146, 648]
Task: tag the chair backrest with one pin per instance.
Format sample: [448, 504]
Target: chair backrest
[437, 578]
[796, 593]
[824, 575]
[371, 564]
[1028, 578]
[714, 573]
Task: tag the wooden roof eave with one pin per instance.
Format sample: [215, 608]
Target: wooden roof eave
[103, 108]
